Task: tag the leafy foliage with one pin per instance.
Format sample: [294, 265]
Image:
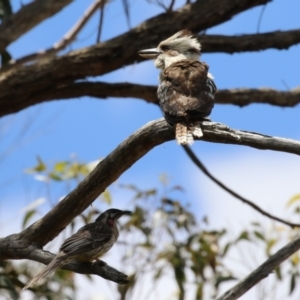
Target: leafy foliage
[166, 236]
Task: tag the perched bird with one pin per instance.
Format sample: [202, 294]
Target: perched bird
[186, 90]
[88, 244]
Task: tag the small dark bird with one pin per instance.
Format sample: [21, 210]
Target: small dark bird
[88, 244]
[186, 90]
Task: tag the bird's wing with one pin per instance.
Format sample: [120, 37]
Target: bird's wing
[87, 238]
[186, 88]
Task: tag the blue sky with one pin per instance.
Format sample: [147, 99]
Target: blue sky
[92, 128]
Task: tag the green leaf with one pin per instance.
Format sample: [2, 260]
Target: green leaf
[293, 283]
[243, 236]
[278, 273]
[259, 235]
[106, 196]
[199, 292]
[293, 200]
[151, 192]
[28, 216]
[40, 166]
[129, 187]
[146, 230]
[7, 285]
[55, 176]
[257, 224]
[61, 166]
[270, 244]
[294, 259]
[157, 274]
[226, 248]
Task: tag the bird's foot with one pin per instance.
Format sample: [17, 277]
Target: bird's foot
[196, 130]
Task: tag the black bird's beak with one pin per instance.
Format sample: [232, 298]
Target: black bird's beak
[149, 53]
[121, 213]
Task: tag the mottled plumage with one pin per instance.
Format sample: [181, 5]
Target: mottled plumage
[186, 90]
[88, 244]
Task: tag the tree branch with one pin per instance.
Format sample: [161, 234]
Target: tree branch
[262, 271]
[250, 42]
[200, 165]
[243, 97]
[28, 17]
[12, 247]
[26, 243]
[124, 156]
[102, 90]
[66, 40]
[24, 82]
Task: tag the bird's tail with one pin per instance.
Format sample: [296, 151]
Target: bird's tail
[55, 263]
[184, 135]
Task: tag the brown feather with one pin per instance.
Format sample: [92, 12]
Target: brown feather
[184, 94]
[89, 243]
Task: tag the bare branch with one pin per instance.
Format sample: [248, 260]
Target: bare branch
[250, 42]
[12, 247]
[102, 90]
[200, 165]
[124, 156]
[243, 97]
[23, 82]
[28, 17]
[66, 40]
[262, 271]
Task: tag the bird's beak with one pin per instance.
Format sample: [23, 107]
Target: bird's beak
[149, 53]
[121, 213]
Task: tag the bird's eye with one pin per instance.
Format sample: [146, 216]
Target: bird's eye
[193, 50]
[165, 48]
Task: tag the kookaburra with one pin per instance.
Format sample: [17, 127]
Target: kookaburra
[88, 244]
[186, 90]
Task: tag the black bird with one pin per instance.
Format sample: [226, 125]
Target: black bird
[88, 244]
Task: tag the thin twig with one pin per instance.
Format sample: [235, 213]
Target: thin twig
[260, 17]
[127, 12]
[101, 19]
[171, 5]
[66, 40]
[199, 164]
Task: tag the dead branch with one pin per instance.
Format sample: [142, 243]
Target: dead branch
[102, 90]
[28, 17]
[262, 271]
[24, 82]
[66, 40]
[21, 249]
[250, 42]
